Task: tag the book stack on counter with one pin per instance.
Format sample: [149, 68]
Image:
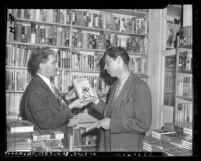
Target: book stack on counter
[157, 133]
[171, 134]
[48, 141]
[19, 135]
[152, 144]
[183, 127]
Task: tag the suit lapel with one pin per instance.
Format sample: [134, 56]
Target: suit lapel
[46, 87]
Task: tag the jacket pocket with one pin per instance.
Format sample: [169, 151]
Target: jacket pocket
[127, 107]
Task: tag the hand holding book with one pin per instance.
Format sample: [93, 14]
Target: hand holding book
[78, 103]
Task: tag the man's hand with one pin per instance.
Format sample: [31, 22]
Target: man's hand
[96, 100]
[70, 95]
[105, 123]
[78, 103]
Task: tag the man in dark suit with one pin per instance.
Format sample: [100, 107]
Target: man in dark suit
[128, 110]
[41, 103]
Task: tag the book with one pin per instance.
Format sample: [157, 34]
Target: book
[47, 134]
[158, 132]
[15, 126]
[84, 89]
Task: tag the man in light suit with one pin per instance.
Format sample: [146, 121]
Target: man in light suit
[41, 103]
[128, 116]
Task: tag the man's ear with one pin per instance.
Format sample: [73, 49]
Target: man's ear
[41, 66]
[119, 59]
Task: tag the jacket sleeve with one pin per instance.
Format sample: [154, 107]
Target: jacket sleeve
[99, 107]
[142, 113]
[45, 115]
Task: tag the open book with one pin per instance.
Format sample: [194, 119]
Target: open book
[84, 89]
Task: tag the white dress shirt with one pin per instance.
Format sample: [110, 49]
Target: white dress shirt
[46, 80]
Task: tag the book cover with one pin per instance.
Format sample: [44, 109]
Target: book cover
[47, 134]
[84, 89]
[15, 126]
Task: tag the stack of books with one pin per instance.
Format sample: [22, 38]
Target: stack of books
[158, 132]
[47, 141]
[152, 144]
[19, 135]
[171, 140]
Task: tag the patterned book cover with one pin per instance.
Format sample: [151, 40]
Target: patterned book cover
[84, 89]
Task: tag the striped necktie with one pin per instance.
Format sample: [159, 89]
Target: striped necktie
[116, 93]
[57, 95]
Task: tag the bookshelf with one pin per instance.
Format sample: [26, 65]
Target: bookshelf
[172, 19]
[80, 37]
[183, 112]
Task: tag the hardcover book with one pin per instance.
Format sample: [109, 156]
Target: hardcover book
[15, 126]
[84, 89]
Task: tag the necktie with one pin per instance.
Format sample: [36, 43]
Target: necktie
[57, 95]
[116, 93]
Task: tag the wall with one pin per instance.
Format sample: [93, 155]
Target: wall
[154, 51]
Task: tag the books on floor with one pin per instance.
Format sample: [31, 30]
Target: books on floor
[16, 126]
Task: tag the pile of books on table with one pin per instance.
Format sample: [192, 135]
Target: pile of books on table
[170, 141]
[19, 135]
[22, 137]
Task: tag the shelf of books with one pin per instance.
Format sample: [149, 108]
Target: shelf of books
[80, 37]
[183, 112]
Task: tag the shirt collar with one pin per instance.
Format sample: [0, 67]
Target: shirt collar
[45, 79]
[124, 80]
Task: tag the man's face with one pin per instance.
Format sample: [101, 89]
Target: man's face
[111, 65]
[50, 67]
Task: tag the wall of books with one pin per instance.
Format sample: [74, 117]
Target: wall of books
[80, 37]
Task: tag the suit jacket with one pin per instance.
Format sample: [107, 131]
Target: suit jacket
[131, 117]
[40, 106]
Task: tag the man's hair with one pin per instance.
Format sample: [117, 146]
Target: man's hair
[39, 55]
[113, 52]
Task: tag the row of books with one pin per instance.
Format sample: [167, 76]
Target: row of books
[40, 34]
[138, 64]
[64, 58]
[102, 40]
[169, 81]
[109, 21]
[86, 61]
[17, 79]
[169, 99]
[184, 86]
[80, 139]
[186, 37]
[172, 30]
[62, 16]
[17, 55]
[183, 112]
[65, 79]
[85, 17]
[185, 60]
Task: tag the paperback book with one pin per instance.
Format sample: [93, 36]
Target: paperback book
[84, 89]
